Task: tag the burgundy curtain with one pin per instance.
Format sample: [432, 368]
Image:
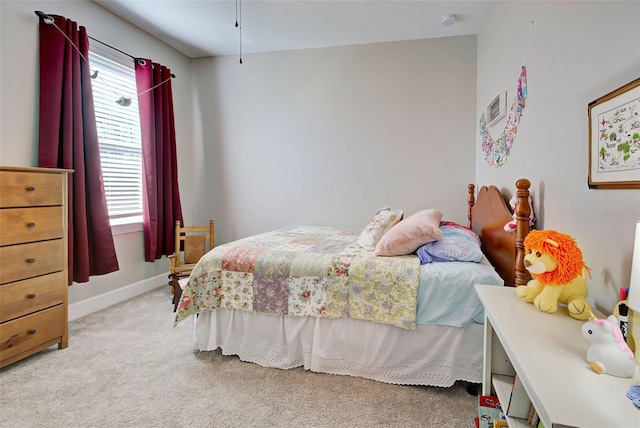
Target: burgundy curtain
[68, 139]
[161, 198]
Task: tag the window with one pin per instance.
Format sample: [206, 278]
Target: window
[118, 133]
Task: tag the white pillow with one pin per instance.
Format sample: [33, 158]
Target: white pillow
[381, 222]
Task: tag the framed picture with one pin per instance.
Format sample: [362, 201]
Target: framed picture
[614, 139]
[497, 108]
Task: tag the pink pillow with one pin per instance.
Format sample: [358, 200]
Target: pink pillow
[410, 234]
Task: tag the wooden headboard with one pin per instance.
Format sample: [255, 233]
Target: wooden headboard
[488, 213]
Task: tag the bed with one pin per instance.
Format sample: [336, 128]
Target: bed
[335, 321]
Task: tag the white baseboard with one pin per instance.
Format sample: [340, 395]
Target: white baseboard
[96, 303]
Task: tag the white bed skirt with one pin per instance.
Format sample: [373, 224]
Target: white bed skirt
[429, 355]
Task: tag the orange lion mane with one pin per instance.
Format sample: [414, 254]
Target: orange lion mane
[567, 255]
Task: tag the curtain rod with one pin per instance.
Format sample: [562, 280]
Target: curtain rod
[46, 18]
[109, 46]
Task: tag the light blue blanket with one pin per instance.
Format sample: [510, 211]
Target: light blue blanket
[447, 296]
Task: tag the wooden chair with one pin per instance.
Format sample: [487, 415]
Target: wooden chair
[192, 242]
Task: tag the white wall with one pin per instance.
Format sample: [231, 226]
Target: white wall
[327, 136]
[578, 52]
[19, 111]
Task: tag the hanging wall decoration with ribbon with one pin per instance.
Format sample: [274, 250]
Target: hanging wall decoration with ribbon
[496, 152]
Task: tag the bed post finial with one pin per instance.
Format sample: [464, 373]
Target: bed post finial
[471, 200]
[523, 210]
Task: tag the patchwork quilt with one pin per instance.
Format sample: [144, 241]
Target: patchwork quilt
[305, 271]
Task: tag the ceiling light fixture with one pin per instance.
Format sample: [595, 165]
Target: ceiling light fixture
[448, 20]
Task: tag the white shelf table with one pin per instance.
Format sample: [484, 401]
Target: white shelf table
[549, 352]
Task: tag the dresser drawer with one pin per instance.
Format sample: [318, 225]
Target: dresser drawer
[31, 295]
[29, 260]
[18, 225]
[23, 189]
[28, 332]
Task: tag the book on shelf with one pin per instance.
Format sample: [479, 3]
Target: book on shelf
[535, 421]
[519, 402]
[532, 414]
[488, 410]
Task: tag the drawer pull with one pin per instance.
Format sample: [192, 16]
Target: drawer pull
[31, 225]
[32, 331]
[31, 189]
[31, 260]
[32, 296]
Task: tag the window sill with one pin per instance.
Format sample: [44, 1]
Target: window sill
[124, 226]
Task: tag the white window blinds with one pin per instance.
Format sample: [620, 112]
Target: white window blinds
[118, 133]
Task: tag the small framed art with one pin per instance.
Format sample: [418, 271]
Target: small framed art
[614, 139]
[497, 108]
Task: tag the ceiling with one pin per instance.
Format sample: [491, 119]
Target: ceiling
[201, 28]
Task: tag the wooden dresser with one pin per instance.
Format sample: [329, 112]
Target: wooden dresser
[33, 261]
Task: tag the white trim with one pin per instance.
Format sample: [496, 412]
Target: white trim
[123, 228]
[102, 301]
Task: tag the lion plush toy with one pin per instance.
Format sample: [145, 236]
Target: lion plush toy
[559, 274]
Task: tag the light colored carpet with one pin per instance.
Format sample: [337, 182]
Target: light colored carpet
[127, 366]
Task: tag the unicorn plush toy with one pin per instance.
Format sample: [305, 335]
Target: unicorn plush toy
[513, 202]
[608, 352]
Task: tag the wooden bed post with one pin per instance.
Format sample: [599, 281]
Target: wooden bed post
[470, 202]
[522, 229]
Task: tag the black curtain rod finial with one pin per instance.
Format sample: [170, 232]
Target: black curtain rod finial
[45, 18]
